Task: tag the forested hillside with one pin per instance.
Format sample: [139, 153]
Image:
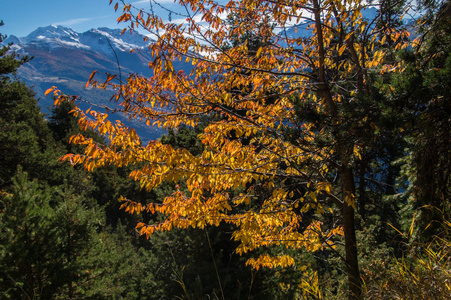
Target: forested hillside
[296, 166]
[62, 233]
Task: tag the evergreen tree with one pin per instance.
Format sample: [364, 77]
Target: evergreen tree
[44, 232]
[423, 91]
[52, 246]
[24, 136]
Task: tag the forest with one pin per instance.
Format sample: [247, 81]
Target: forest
[292, 167]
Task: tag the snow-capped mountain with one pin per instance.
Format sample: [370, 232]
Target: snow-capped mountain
[65, 58]
[54, 36]
[102, 39]
[62, 55]
[96, 38]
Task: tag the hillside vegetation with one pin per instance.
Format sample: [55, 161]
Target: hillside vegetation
[292, 167]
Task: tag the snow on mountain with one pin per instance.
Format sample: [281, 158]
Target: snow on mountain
[12, 39]
[53, 36]
[103, 39]
[52, 31]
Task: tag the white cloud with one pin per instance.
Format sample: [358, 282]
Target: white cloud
[197, 19]
[74, 21]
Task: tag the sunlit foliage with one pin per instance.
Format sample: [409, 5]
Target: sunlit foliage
[286, 126]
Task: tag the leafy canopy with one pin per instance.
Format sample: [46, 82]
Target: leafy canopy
[283, 133]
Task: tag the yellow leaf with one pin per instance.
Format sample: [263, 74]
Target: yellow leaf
[350, 199]
[259, 51]
[342, 49]
[313, 196]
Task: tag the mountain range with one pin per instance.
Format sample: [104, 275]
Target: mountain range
[66, 59]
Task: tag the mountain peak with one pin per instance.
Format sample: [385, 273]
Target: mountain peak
[52, 31]
[53, 36]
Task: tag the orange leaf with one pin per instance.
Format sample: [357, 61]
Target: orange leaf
[110, 77]
[90, 78]
[48, 91]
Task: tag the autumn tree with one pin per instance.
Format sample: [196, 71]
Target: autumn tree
[290, 120]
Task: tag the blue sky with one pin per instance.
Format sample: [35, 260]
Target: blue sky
[23, 16]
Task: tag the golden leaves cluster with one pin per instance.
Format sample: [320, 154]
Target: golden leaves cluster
[249, 93]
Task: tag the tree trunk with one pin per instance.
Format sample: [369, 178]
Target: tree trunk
[352, 263]
[362, 195]
[324, 91]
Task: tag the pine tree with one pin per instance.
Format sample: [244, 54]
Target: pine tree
[24, 136]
